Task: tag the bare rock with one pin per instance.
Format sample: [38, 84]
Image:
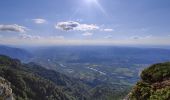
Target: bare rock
[5, 90]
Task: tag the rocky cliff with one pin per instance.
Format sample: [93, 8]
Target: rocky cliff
[5, 90]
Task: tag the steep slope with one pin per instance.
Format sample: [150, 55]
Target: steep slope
[79, 89]
[28, 86]
[73, 87]
[5, 90]
[155, 83]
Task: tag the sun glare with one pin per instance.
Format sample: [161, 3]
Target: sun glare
[95, 3]
[91, 1]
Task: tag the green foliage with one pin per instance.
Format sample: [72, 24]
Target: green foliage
[141, 91]
[156, 72]
[161, 94]
[155, 83]
[108, 92]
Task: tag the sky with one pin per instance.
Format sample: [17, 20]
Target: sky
[85, 22]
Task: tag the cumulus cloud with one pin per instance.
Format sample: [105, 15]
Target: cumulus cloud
[108, 30]
[86, 27]
[87, 34]
[39, 21]
[72, 25]
[28, 37]
[13, 28]
[66, 26]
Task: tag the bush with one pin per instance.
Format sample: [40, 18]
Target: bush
[157, 72]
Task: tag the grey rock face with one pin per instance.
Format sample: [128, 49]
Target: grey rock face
[5, 90]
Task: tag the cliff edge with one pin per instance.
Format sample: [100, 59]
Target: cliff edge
[154, 84]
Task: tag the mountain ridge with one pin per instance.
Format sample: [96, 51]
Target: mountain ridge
[15, 52]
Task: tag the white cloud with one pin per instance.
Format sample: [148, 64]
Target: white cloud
[87, 34]
[57, 37]
[37, 37]
[79, 20]
[86, 27]
[29, 37]
[66, 26]
[13, 28]
[108, 30]
[72, 25]
[141, 37]
[108, 37]
[39, 21]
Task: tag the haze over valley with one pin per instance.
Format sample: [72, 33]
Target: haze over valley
[84, 50]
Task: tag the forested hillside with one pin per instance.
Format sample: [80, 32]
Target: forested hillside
[33, 82]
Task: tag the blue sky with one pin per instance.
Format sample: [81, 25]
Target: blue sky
[85, 22]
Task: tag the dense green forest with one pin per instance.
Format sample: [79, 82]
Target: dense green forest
[33, 82]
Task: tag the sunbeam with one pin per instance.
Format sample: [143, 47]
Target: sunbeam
[97, 4]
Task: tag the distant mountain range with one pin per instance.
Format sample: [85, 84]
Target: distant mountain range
[100, 63]
[83, 72]
[91, 54]
[15, 52]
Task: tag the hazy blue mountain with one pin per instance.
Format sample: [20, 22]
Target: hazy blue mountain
[105, 54]
[14, 52]
[100, 63]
